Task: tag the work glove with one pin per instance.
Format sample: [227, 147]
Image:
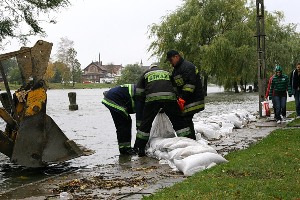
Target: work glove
[140, 144]
[181, 103]
[290, 95]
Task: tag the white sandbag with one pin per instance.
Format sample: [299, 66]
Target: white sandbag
[154, 142]
[167, 142]
[174, 152]
[203, 159]
[235, 120]
[211, 134]
[190, 150]
[160, 143]
[162, 155]
[181, 143]
[193, 170]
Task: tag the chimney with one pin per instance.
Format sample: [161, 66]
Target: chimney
[100, 63]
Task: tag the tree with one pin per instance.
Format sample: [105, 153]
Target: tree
[130, 74]
[218, 37]
[20, 19]
[66, 54]
[12, 71]
[61, 73]
[49, 72]
[193, 28]
[74, 65]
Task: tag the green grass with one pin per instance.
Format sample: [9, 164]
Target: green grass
[80, 86]
[65, 86]
[268, 170]
[290, 106]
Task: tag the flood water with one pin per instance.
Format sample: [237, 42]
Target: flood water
[93, 127]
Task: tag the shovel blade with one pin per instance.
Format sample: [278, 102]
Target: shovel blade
[41, 142]
[6, 144]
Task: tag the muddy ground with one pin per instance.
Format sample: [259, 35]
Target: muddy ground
[131, 177]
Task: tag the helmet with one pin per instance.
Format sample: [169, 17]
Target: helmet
[278, 68]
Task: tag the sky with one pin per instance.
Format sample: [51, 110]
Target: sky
[118, 29]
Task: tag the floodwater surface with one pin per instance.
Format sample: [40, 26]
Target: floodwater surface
[92, 126]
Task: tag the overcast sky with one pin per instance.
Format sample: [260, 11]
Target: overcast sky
[117, 29]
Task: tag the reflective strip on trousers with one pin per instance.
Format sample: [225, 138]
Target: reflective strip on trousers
[183, 132]
[193, 106]
[142, 135]
[124, 145]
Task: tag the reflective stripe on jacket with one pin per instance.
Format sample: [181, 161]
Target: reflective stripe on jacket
[121, 99]
[155, 85]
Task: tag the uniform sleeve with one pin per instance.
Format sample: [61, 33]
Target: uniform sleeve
[139, 108]
[140, 89]
[189, 78]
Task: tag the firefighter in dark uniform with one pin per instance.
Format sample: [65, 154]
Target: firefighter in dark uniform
[156, 90]
[188, 83]
[120, 102]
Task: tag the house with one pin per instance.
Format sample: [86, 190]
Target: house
[95, 72]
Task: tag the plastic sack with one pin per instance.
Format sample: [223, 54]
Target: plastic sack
[265, 109]
[162, 127]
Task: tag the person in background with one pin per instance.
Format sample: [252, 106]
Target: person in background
[156, 90]
[121, 103]
[279, 86]
[187, 81]
[295, 85]
[268, 91]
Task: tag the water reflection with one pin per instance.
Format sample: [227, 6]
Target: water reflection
[15, 175]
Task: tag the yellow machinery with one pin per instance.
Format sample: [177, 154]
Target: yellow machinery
[31, 137]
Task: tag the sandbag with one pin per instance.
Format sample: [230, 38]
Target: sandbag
[197, 162]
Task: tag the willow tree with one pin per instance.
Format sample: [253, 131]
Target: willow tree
[282, 43]
[22, 18]
[208, 33]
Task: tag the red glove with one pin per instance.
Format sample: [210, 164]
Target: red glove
[181, 103]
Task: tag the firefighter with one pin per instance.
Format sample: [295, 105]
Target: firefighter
[188, 83]
[120, 102]
[156, 90]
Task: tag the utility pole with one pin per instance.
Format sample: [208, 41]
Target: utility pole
[260, 25]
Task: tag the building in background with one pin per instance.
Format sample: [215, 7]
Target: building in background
[95, 72]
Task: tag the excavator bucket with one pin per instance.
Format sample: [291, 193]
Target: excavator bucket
[41, 142]
[31, 137]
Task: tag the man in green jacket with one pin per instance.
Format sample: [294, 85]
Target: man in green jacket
[279, 88]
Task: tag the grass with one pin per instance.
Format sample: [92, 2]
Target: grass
[269, 169]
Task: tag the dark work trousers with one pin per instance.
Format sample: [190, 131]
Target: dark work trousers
[123, 127]
[189, 120]
[171, 109]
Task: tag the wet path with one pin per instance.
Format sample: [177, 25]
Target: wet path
[92, 127]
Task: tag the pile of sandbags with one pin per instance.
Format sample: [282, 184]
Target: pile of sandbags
[183, 154]
[187, 155]
[215, 127]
